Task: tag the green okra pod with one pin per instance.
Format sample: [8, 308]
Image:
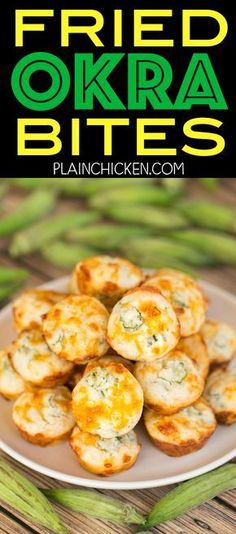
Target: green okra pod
[221, 246]
[159, 261]
[7, 290]
[21, 494]
[31, 209]
[9, 275]
[105, 236]
[192, 493]
[68, 186]
[176, 185]
[209, 215]
[93, 186]
[159, 218]
[159, 246]
[94, 504]
[38, 235]
[133, 195]
[210, 183]
[66, 255]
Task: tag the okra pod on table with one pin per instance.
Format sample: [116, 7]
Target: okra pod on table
[159, 218]
[133, 195]
[159, 261]
[94, 504]
[38, 235]
[209, 183]
[21, 494]
[92, 186]
[192, 493]
[7, 290]
[69, 186]
[158, 246]
[209, 214]
[66, 255]
[31, 209]
[174, 184]
[221, 246]
[105, 236]
[9, 275]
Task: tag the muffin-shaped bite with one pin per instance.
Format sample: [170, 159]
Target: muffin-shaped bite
[143, 325]
[105, 278]
[36, 363]
[11, 383]
[107, 401]
[75, 328]
[183, 432]
[44, 416]
[105, 456]
[30, 307]
[220, 339]
[196, 349]
[170, 383]
[185, 296]
[109, 358]
[220, 392]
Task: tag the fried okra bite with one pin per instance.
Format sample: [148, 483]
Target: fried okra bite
[220, 392]
[11, 383]
[183, 432]
[30, 307]
[105, 278]
[36, 363]
[107, 401]
[105, 456]
[143, 325]
[170, 383]
[220, 339]
[195, 348]
[185, 296]
[44, 416]
[75, 328]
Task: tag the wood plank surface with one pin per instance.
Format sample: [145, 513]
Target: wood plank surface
[215, 517]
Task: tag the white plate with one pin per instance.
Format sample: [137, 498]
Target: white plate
[153, 467]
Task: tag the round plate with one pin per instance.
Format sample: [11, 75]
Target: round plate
[153, 467]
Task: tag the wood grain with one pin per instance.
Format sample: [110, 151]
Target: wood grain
[215, 517]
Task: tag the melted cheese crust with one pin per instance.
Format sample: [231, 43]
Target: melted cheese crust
[220, 392]
[183, 432]
[185, 296]
[107, 401]
[11, 383]
[44, 416]
[75, 328]
[143, 325]
[196, 349]
[32, 305]
[220, 339]
[105, 278]
[105, 456]
[170, 383]
[36, 363]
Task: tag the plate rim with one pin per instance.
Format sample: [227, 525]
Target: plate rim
[107, 483]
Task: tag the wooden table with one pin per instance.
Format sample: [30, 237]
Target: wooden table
[217, 516]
